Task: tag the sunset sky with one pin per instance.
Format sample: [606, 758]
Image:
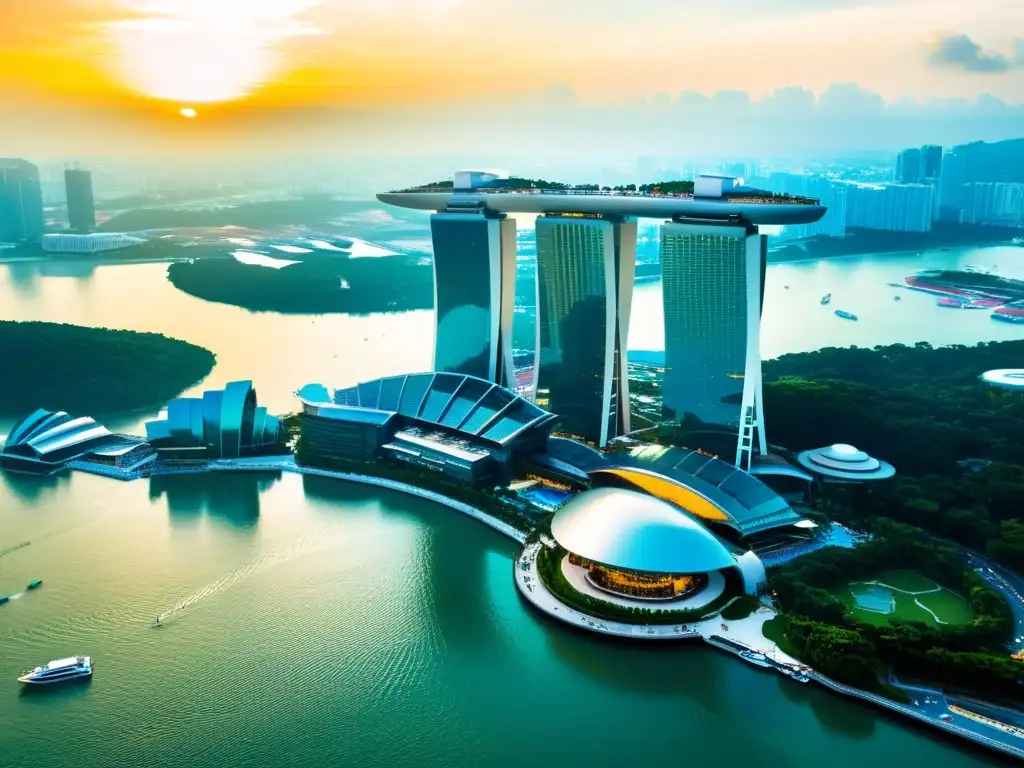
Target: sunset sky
[256, 63]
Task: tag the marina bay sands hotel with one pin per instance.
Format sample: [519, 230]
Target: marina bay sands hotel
[713, 270]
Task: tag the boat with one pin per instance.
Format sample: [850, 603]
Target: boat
[59, 671]
[4, 600]
[1007, 317]
[157, 624]
[845, 315]
[826, 298]
[756, 658]
[802, 678]
[35, 583]
[897, 298]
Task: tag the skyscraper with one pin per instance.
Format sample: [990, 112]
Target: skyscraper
[908, 166]
[81, 208]
[474, 293]
[21, 201]
[585, 272]
[712, 287]
[931, 161]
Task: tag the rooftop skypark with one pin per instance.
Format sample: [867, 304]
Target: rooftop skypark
[687, 190]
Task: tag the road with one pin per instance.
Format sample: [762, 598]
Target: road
[1006, 583]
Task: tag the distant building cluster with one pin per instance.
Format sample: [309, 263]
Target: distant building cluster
[983, 183]
[890, 207]
[21, 204]
[97, 242]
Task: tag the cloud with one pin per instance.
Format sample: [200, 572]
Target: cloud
[961, 52]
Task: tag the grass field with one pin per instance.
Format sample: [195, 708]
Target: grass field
[932, 604]
[908, 581]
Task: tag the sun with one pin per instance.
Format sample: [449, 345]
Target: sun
[188, 112]
[205, 51]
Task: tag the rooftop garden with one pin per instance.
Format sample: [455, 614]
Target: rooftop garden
[655, 189]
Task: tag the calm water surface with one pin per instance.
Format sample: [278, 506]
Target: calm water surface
[310, 622]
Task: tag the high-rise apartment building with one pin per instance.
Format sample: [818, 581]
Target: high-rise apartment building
[829, 192]
[81, 207]
[908, 167]
[585, 272]
[918, 164]
[474, 294]
[993, 204]
[931, 162]
[713, 287]
[891, 207]
[979, 161]
[21, 201]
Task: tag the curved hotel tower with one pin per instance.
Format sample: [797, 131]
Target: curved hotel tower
[585, 270]
[474, 290]
[713, 287]
[713, 266]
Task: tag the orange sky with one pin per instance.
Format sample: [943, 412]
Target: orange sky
[388, 52]
[121, 70]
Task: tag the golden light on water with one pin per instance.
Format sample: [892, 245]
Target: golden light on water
[188, 112]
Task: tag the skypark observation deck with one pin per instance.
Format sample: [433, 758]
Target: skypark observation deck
[753, 206]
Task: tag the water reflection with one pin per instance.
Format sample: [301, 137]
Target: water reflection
[31, 487]
[669, 668]
[233, 497]
[48, 695]
[452, 556]
[836, 714]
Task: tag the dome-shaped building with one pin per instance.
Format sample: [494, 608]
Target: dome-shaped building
[627, 546]
[844, 463]
[1011, 379]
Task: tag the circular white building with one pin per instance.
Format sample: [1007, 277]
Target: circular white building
[637, 550]
[844, 463]
[1005, 378]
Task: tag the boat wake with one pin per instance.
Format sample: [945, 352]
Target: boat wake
[15, 548]
[263, 562]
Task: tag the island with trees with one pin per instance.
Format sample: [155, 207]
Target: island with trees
[956, 444]
[93, 371]
[318, 284]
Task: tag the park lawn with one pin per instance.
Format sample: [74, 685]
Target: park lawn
[906, 608]
[948, 606]
[908, 581]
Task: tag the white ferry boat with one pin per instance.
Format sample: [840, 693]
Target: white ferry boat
[59, 671]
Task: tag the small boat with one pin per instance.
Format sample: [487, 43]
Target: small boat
[826, 298]
[801, 678]
[35, 583]
[4, 600]
[897, 298]
[59, 671]
[755, 658]
[157, 624]
[846, 315]
[786, 287]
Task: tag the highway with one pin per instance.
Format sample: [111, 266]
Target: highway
[1006, 583]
